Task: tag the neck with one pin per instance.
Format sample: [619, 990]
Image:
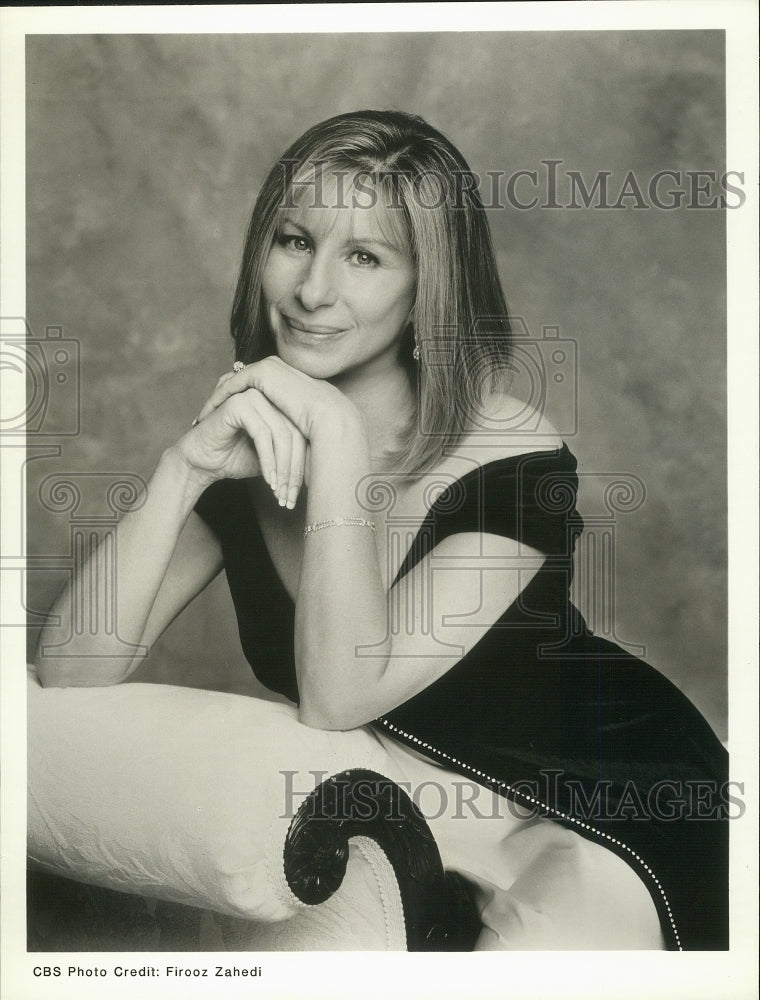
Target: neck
[386, 399]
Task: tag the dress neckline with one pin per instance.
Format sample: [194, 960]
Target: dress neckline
[554, 454]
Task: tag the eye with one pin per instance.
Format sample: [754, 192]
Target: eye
[365, 259]
[293, 242]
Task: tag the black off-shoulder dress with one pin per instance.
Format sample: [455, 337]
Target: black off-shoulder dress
[540, 710]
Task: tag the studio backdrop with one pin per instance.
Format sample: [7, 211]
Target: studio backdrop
[601, 159]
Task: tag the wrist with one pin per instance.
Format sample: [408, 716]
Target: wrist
[339, 462]
[345, 423]
[185, 477]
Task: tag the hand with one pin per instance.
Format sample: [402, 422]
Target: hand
[246, 436]
[307, 402]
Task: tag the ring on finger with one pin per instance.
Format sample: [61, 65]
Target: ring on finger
[238, 367]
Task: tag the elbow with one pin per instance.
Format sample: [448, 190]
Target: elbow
[48, 672]
[329, 718]
[52, 673]
[341, 700]
[323, 710]
[48, 678]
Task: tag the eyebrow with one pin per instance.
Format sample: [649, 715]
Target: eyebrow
[363, 240]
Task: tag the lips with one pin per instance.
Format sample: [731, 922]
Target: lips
[317, 331]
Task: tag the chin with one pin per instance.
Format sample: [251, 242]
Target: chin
[313, 363]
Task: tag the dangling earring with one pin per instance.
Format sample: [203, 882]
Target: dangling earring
[416, 348]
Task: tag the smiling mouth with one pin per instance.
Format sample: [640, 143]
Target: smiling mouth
[315, 331]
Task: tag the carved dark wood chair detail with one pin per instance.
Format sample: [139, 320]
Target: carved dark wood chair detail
[440, 912]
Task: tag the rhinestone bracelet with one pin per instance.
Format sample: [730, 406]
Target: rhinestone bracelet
[318, 525]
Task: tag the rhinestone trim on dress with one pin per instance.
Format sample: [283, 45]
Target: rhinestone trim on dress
[536, 802]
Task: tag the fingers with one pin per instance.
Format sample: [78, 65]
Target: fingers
[307, 465]
[288, 389]
[280, 447]
[246, 418]
[297, 467]
[282, 441]
[228, 384]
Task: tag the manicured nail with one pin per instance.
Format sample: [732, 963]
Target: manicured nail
[194, 423]
[273, 481]
[292, 497]
[282, 495]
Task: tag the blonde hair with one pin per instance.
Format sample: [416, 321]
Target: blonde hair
[461, 322]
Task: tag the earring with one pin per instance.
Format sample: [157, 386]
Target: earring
[416, 348]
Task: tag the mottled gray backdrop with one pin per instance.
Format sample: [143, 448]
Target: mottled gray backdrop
[144, 154]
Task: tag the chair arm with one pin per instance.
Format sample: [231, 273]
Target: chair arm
[440, 913]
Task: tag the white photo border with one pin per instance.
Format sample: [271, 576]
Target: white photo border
[569, 974]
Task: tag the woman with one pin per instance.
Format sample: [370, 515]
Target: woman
[398, 556]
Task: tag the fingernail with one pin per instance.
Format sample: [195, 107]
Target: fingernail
[292, 496]
[194, 423]
[283, 495]
[273, 481]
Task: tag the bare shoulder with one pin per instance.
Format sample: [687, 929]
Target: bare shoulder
[506, 426]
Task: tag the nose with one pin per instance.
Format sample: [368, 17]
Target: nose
[316, 285]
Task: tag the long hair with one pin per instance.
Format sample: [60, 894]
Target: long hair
[460, 317]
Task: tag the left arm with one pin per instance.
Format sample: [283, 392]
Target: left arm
[341, 601]
[427, 623]
[342, 607]
[354, 662]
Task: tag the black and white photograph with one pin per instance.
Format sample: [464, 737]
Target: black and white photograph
[379, 477]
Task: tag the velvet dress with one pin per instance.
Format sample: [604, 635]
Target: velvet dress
[599, 757]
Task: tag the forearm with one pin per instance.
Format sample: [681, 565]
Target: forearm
[341, 601]
[134, 568]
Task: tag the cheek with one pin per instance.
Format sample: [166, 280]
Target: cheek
[394, 304]
[268, 281]
[400, 314]
[274, 280]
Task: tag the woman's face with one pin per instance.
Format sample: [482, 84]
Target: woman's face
[339, 287]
